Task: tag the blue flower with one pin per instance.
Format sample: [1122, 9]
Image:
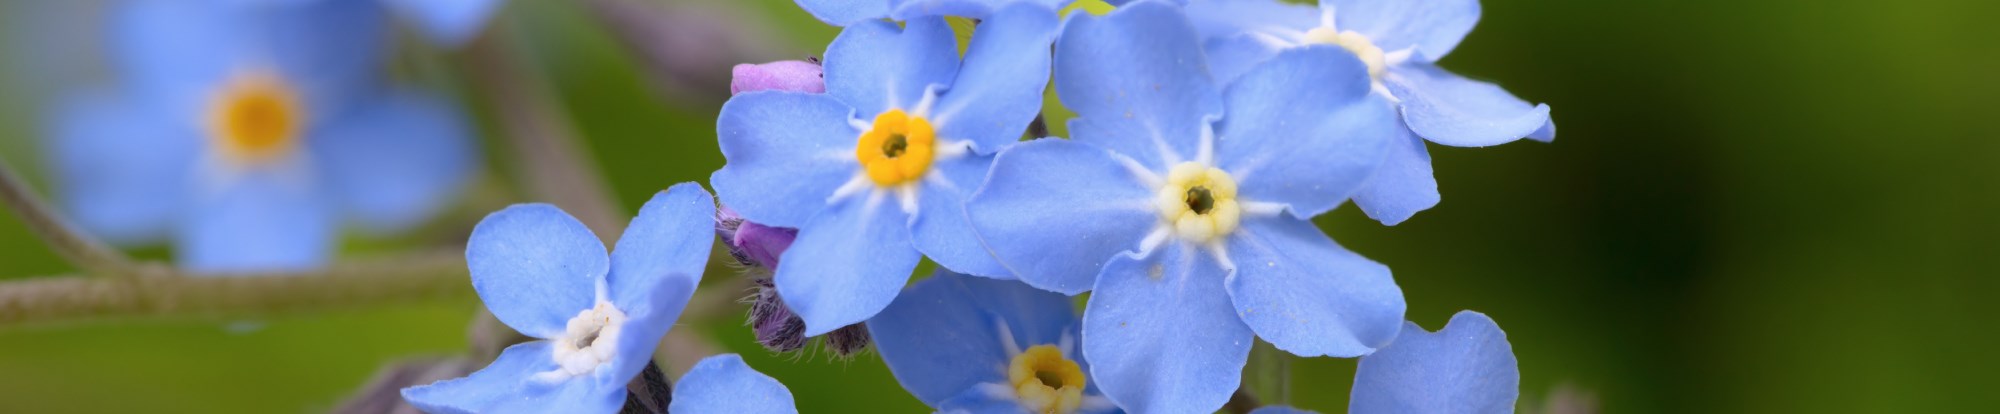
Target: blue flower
[544, 274]
[724, 384]
[1401, 40]
[1189, 225]
[978, 345]
[448, 22]
[850, 12]
[1467, 367]
[246, 131]
[874, 171]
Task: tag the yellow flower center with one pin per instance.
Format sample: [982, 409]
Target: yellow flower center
[256, 117]
[1353, 42]
[1199, 202]
[898, 149]
[1045, 381]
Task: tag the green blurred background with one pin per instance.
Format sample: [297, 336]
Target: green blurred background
[1752, 206]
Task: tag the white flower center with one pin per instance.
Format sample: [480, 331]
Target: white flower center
[590, 341]
[1199, 202]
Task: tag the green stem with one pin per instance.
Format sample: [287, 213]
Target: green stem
[155, 289]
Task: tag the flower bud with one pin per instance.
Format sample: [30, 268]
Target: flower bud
[784, 75]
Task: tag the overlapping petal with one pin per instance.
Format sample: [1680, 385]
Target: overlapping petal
[787, 153]
[847, 263]
[875, 66]
[948, 333]
[940, 228]
[506, 386]
[972, 9]
[1433, 27]
[1305, 294]
[1138, 82]
[999, 88]
[1055, 211]
[845, 12]
[1161, 334]
[535, 267]
[1304, 130]
[1402, 186]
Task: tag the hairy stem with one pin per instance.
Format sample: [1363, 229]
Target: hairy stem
[65, 238]
[156, 289]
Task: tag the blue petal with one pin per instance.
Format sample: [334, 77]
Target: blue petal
[1433, 27]
[1279, 409]
[1452, 110]
[874, 66]
[724, 384]
[655, 268]
[1305, 294]
[449, 22]
[943, 335]
[972, 9]
[1138, 83]
[1403, 185]
[940, 229]
[845, 12]
[1230, 56]
[787, 152]
[258, 222]
[535, 267]
[986, 399]
[1000, 88]
[397, 160]
[848, 263]
[1226, 18]
[123, 172]
[507, 386]
[179, 53]
[1054, 211]
[1466, 368]
[1161, 335]
[1303, 129]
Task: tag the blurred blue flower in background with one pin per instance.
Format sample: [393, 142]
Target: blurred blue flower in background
[448, 22]
[1400, 40]
[1161, 199]
[246, 131]
[848, 12]
[874, 171]
[979, 345]
[724, 384]
[544, 274]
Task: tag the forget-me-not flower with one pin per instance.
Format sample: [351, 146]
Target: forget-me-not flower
[1467, 367]
[1401, 40]
[849, 12]
[1182, 207]
[873, 173]
[979, 345]
[246, 131]
[598, 318]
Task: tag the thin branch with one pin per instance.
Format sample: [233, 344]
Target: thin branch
[65, 238]
[62, 299]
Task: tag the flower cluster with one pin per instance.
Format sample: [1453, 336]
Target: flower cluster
[1206, 137]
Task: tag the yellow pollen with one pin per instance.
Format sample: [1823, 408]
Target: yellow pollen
[1045, 381]
[255, 117]
[1199, 202]
[1353, 42]
[897, 149]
